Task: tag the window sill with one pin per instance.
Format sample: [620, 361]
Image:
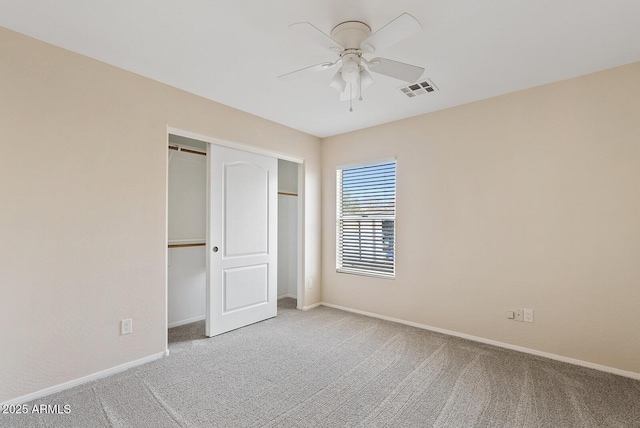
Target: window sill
[374, 275]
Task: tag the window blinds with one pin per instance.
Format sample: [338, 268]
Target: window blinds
[366, 212]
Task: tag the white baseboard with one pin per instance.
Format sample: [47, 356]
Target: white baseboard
[287, 296]
[607, 369]
[70, 384]
[315, 305]
[187, 321]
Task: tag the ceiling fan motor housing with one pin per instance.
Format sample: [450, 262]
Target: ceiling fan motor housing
[351, 34]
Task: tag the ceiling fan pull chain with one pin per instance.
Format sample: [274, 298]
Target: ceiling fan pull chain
[350, 97]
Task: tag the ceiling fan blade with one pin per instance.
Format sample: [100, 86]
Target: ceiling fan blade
[317, 36]
[305, 71]
[394, 32]
[399, 70]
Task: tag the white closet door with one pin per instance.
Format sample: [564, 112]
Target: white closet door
[242, 239]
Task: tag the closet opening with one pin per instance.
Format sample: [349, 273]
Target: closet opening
[288, 230]
[187, 214]
[187, 200]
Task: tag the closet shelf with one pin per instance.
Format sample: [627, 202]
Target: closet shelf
[192, 244]
[183, 149]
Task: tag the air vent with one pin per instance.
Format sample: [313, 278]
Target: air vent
[418, 88]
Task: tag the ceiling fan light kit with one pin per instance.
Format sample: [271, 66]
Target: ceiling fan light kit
[351, 40]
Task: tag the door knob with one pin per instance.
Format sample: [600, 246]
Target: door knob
[215, 249]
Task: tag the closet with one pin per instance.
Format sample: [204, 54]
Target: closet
[187, 185]
[187, 216]
[288, 229]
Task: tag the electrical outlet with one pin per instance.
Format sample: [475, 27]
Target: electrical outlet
[126, 326]
[519, 315]
[528, 315]
[309, 283]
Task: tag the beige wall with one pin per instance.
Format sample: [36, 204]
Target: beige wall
[83, 216]
[528, 200]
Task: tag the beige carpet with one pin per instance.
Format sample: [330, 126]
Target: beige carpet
[329, 368]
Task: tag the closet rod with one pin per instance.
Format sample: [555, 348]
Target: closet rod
[182, 149]
[201, 244]
[288, 194]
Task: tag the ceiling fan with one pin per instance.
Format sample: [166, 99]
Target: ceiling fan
[351, 40]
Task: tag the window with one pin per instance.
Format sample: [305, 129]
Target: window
[366, 219]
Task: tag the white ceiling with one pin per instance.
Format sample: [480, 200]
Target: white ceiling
[231, 51]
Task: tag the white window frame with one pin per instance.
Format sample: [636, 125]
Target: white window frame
[340, 217]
